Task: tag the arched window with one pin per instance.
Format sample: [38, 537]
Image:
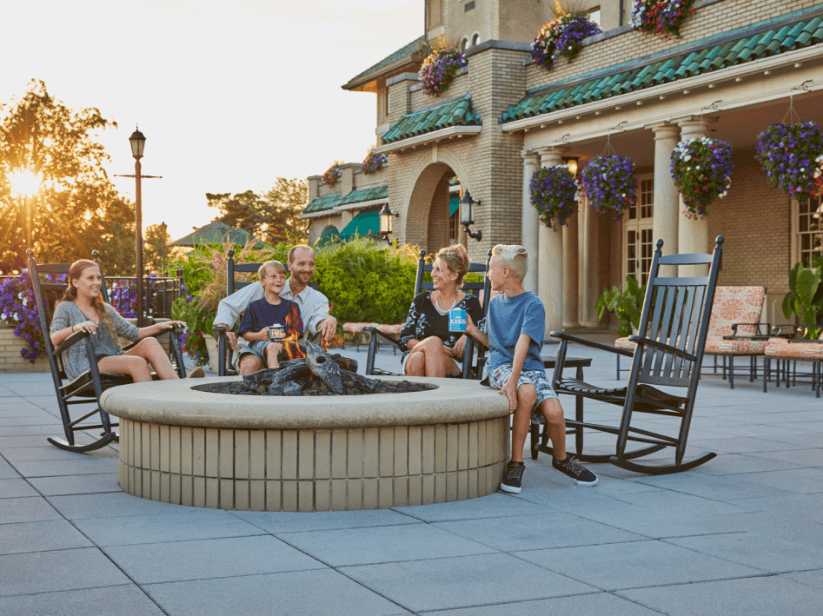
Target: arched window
[475, 39]
[464, 44]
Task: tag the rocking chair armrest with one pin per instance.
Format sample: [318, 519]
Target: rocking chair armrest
[803, 341]
[70, 341]
[173, 330]
[648, 342]
[757, 333]
[589, 343]
[374, 331]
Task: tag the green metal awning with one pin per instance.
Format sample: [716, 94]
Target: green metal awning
[321, 204]
[728, 49]
[365, 223]
[454, 205]
[456, 112]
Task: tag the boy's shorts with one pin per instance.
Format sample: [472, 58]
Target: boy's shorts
[258, 347]
[499, 376]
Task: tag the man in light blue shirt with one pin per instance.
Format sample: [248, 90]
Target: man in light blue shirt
[515, 326]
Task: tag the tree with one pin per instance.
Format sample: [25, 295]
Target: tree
[155, 253]
[76, 209]
[271, 217]
[286, 201]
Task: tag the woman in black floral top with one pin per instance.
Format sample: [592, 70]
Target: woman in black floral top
[430, 348]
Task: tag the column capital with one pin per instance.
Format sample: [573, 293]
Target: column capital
[692, 126]
[530, 157]
[552, 155]
[664, 130]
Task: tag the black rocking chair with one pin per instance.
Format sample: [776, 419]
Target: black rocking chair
[676, 313]
[89, 386]
[472, 368]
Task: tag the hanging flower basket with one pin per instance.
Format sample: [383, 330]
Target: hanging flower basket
[439, 68]
[554, 193]
[373, 162]
[610, 182]
[562, 37]
[702, 169]
[661, 16]
[788, 154]
[332, 175]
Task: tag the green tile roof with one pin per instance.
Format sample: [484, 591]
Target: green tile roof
[456, 112]
[321, 204]
[366, 194]
[401, 53]
[215, 232]
[796, 35]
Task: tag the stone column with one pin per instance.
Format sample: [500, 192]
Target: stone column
[589, 264]
[693, 235]
[530, 224]
[550, 265]
[666, 199]
[570, 258]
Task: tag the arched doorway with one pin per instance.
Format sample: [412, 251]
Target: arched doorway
[432, 212]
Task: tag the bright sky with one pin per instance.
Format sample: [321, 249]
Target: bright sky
[229, 93]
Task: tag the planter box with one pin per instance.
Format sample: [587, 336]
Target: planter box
[10, 358]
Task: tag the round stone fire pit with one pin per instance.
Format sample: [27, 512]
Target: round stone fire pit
[260, 453]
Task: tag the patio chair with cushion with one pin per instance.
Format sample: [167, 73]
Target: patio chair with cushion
[734, 330]
[89, 386]
[792, 351]
[676, 314]
[472, 368]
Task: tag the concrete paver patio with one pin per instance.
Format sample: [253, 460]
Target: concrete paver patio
[742, 534]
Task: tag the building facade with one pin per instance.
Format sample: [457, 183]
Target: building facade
[736, 69]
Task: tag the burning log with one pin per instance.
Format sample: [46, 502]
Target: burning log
[324, 367]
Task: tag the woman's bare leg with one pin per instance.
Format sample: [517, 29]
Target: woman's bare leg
[151, 350]
[416, 364]
[437, 363]
[135, 367]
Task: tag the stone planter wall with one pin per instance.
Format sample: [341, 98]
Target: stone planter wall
[10, 358]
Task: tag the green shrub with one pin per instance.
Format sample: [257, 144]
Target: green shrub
[626, 305]
[805, 296]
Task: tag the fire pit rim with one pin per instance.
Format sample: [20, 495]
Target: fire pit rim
[174, 403]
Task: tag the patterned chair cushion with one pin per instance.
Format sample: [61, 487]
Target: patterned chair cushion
[735, 347]
[795, 350]
[625, 343]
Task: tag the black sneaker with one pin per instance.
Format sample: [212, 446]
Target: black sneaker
[514, 477]
[572, 468]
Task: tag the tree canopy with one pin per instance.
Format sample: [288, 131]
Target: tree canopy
[76, 208]
[271, 217]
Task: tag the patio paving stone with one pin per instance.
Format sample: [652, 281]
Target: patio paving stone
[601, 604]
[14, 488]
[292, 522]
[40, 537]
[36, 572]
[26, 509]
[81, 466]
[744, 597]
[76, 484]
[492, 506]
[294, 593]
[109, 601]
[811, 578]
[104, 505]
[481, 580]
[382, 544]
[633, 565]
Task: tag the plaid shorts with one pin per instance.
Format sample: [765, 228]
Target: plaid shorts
[499, 376]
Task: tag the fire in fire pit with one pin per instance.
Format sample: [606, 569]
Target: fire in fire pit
[320, 374]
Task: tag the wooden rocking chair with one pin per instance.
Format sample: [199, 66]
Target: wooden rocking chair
[669, 357]
[89, 386]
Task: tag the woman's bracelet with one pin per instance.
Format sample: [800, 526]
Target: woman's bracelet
[72, 328]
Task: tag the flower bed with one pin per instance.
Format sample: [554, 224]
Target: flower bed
[661, 16]
[562, 37]
[439, 68]
[789, 156]
[610, 182]
[701, 169]
[554, 193]
[18, 309]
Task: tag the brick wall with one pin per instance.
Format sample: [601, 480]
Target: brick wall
[707, 21]
[10, 358]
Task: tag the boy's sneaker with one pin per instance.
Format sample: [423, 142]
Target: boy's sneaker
[572, 468]
[514, 477]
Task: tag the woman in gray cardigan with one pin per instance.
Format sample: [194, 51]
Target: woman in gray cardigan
[83, 308]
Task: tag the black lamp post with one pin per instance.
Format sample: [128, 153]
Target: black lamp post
[386, 216]
[163, 228]
[138, 143]
[467, 215]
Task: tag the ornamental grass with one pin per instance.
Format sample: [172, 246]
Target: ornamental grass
[701, 169]
[554, 193]
[610, 182]
[788, 154]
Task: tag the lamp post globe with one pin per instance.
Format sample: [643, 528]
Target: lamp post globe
[138, 143]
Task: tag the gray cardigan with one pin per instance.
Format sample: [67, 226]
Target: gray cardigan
[75, 361]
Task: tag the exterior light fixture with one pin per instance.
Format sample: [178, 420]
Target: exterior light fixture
[571, 161]
[386, 216]
[138, 142]
[467, 215]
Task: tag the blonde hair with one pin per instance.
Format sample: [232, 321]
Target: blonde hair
[275, 265]
[75, 272]
[457, 260]
[515, 257]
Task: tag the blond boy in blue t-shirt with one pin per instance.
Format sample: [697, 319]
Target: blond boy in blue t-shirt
[515, 328]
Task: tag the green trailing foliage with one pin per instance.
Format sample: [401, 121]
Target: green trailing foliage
[805, 296]
[627, 305]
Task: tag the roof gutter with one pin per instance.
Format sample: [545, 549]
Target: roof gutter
[450, 132]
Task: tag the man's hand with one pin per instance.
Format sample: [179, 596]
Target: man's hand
[230, 335]
[510, 390]
[327, 328]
